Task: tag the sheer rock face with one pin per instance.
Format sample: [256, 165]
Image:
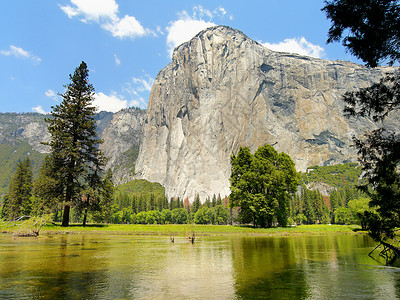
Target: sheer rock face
[120, 135]
[223, 90]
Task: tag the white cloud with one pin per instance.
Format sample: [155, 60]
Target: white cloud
[117, 60]
[186, 27]
[159, 30]
[105, 12]
[297, 45]
[143, 84]
[51, 94]
[126, 27]
[139, 90]
[135, 103]
[111, 103]
[20, 53]
[90, 10]
[70, 11]
[39, 109]
[183, 30]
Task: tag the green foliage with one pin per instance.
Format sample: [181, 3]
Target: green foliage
[370, 28]
[102, 211]
[221, 215]
[195, 205]
[360, 208]
[262, 185]
[30, 226]
[141, 217]
[337, 176]
[130, 156]
[142, 187]
[203, 216]
[10, 155]
[343, 215]
[74, 142]
[373, 32]
[19, 197]
[166, 216]
[218, 215]
[179, 216]
[47, 190]
[5, 208]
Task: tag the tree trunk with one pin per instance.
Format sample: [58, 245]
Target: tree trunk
[393, 248]
[65, 221]
[85, 217]
[68, 198]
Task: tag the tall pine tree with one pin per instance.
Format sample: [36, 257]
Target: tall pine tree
[74, 143]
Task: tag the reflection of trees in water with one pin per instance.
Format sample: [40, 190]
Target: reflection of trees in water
[320, 267]
[53, 268]
[67, 267]
[263, 268]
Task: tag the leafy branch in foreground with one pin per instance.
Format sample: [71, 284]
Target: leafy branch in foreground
[370, 30]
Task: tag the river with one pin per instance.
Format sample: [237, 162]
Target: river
[228, 267]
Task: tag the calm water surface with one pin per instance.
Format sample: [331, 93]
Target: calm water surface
[139, 267]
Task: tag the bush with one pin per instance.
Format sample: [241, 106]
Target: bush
[343, 216]
[202, 216]
[300, 219]
[141, 217]
[116, 217]
[179, 216]
[166, 216]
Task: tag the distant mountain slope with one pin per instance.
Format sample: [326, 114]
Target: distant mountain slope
[21, 136]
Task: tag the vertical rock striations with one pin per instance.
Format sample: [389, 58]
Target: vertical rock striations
[223, 90]
[122, 135]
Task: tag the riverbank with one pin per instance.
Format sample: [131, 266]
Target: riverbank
[189, 229]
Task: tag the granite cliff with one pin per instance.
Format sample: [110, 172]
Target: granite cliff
[223, 90]
[122, 136]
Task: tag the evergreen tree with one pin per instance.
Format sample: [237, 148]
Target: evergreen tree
[195, 205]
[74, 143]
[48, 191]
[207, 202]
[90, 199]
[214, 201]
[219, 201]
[106, 197]
[5, 209]
[20, 190]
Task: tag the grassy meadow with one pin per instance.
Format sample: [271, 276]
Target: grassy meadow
[189, 229]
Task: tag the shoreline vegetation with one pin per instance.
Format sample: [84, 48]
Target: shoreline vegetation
[189, 229]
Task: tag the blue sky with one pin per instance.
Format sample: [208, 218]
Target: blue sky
[125, 43]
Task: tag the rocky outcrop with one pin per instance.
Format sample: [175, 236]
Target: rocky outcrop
[122, 136]
[223, 90]
[28, 127]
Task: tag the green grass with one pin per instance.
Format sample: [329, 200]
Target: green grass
[188, 229]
